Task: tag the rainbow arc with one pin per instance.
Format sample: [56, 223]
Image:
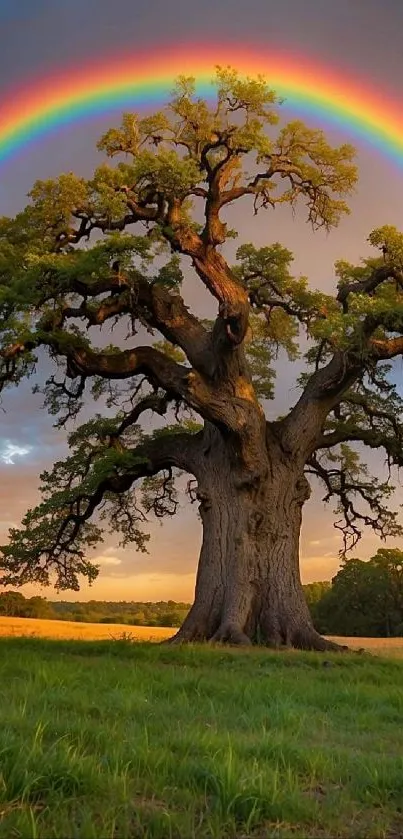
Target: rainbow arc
[72, 95]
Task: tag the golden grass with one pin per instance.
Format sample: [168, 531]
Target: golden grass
[72, 630]
[378, 646]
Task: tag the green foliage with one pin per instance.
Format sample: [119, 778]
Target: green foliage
[55, 200]
[133, 613]
[14, 604]
[371, 411]
[170, 351]
[366, 598]
[273, 290]
[190, 425]
[317, 164]
[262, 349]
[170, 275]
[390, 241]
[56, 534]
[107, 456]
[314, 593]
[168, 155]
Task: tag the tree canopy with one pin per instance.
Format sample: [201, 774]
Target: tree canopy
[113, 249]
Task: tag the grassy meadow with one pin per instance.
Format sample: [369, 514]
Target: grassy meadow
[73, 630]
[119, 740]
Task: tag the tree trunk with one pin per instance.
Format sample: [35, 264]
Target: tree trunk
[248, 587]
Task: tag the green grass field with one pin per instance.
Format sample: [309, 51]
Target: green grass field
[111, 740]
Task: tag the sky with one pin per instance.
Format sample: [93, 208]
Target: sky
[362, 39]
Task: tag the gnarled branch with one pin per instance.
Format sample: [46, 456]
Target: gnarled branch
[56, 533]
[347, 487]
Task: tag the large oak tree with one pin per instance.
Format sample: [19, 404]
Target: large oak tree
[111, 249]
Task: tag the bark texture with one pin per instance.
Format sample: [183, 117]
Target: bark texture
[248, 587]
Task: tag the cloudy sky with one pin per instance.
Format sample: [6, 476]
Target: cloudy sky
[362, 39]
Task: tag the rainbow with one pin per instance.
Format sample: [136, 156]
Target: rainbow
[71, 95]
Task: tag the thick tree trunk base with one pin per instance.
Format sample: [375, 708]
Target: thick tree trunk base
[248, 586]
[233, 635]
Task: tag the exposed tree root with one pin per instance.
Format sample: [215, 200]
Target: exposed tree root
[232, 634]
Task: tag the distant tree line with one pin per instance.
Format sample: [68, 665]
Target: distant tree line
[363, 599]
[163, 613]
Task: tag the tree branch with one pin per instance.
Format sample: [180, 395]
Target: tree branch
[383, 349]
[368, 285]
[154, 305]
[160, 370]
[346, 486]
[56, 532]
[372, 420]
